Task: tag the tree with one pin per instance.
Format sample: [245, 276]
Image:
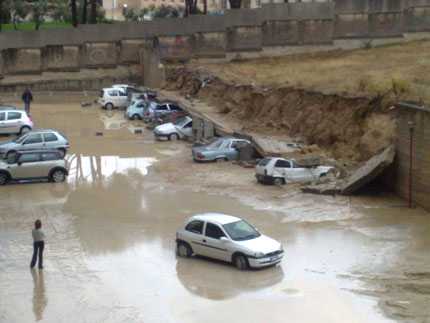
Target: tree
[74, 13]
[236, 4]
[60, 11]
[40, 8]
[93, 11]
[84, 12]
[17, 9]
[190, 7]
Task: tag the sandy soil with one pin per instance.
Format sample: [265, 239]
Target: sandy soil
[364, 71]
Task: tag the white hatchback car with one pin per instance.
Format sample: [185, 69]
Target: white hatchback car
[227, 238]
[14, 121]
[114, 97]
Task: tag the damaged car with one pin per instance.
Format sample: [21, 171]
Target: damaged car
[180, 129]
[221, 149]
[279, 171]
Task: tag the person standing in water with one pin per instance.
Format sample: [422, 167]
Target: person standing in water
[27, 97]
[38, 244]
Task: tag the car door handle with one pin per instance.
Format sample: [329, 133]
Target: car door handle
[204, 240]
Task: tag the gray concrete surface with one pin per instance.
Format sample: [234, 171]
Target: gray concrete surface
[111, 228]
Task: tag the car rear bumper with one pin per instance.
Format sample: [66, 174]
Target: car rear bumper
[265, 262]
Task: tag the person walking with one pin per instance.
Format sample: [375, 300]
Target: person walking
[27, 97]
[38, 244]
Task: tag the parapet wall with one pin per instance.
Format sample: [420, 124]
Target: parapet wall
[300, 24]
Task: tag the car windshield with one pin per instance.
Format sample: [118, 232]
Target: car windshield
[181, 122]
[241, 230]
[20, 139]
[216, 143]
[264, 162]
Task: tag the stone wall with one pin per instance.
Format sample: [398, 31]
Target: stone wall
[295, 27]
[420, 156]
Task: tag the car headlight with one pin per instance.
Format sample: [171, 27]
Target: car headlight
[259, 254]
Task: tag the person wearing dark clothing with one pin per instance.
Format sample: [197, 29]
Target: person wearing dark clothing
[38, 244]
[27, 97]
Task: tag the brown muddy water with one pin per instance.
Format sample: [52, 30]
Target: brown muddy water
[110, 253]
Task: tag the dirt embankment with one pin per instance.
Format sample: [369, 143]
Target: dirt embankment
[352, 129]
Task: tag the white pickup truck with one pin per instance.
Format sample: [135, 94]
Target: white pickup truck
[280, 171]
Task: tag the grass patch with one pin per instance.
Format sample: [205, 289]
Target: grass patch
[31, 26]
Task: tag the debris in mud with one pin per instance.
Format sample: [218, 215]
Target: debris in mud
[86, 104]
[360, 177]
[99, 133]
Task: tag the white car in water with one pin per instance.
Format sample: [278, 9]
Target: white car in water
[227, 238]
[181, 128]
[280, 171]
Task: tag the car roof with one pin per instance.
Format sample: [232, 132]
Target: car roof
[217, 218]
[44, 130]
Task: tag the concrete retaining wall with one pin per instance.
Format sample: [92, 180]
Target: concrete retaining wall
[420, 156]
[308, 24]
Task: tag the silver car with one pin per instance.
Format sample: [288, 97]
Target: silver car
[227, 238]
[37, 139]
[136, 110]
[13, 121]
[221, 149]
[35, 164]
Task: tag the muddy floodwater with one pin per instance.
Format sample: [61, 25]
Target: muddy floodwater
[110, 239]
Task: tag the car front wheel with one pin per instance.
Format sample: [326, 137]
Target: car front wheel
[58, 176]
[278, 181]
[241, 262]
[184, 249]
[173, 136]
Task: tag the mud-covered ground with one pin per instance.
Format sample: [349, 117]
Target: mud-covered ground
[111, 228]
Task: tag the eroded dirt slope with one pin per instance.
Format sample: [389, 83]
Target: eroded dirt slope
[351, 129]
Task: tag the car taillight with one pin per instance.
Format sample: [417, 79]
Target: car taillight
[200, 155]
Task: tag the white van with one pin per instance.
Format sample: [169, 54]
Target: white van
[113, 97]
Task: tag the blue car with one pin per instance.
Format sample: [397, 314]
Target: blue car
[221, 149]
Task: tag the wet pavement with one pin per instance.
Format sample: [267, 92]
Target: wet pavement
[111, 228]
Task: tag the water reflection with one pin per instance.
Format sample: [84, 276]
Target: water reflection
[39, 297]
[196, 275]
[97, 168]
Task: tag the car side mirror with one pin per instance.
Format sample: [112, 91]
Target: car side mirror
[223, 239]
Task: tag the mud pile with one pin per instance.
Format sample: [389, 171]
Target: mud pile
[348, 128]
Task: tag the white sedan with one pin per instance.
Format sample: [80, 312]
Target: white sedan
[227, 238]
[181, 128]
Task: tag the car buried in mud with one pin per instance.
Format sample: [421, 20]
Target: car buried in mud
[281, 171]
[227, 238]
[221, 149]
[180, 129]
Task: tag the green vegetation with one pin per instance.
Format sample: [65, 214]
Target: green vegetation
[32, 25]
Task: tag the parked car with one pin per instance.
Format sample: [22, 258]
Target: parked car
[7, 107]
[156, 109]
[221, 149]
[147, 95]
[136, 110]
[36, 139]
[179, 129]
[34, 164]
[13, 121]
[114, 97]
[227, 238]
[280, 171]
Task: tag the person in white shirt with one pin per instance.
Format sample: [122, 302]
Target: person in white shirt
[38, 244]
